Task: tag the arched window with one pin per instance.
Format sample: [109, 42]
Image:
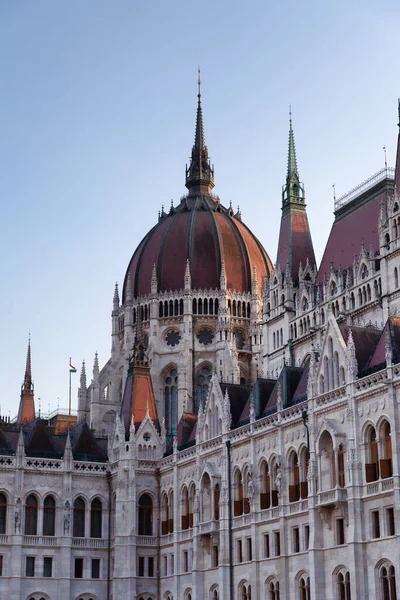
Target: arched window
[364, 272]
[165, 308]
[245, 591]
[304, 588]
[200, 306]
[181, 307]
[95, 518]
[49, 516]
[238, 502]
[176, 308]
[79, 518]
[303, 456]
[216, 306]
[273, 590]
[171, 400]
[202, 385]
[386, 462]
[194, 306]
[341, 471]
[160, 310]
[185, 509]
[31, 513]
[372, 466]
[388, 582]
[294, 478]
[343, 585]
[3, 513]
[265, 487]
[214, 594]
[145, 515]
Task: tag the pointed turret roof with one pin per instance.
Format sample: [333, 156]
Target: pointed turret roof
[200, 173]
[26, 411]
[138, 401]
[295, 244]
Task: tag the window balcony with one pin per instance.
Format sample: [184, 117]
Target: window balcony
[332, 497]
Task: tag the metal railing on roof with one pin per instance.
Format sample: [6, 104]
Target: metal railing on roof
[385, 173]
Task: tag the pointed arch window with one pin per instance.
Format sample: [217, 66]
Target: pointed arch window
[294, 486]
[31, 514]
[246, 592]
[372, 466]
[265, 495]
[388, 582]
[171, 400]
[343, 584]
[273, 590]
[304, 588]
[386, 462]
[145, 509]
[79, 518]
[96, 518]
[49, 516]
[3, 513]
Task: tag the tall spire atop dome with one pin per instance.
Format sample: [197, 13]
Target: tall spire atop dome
[200, 173]
[26, 411]
[293, 191]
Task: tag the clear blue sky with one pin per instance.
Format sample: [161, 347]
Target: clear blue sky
[97, 111]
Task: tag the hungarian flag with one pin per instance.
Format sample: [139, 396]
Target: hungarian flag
[71, 368]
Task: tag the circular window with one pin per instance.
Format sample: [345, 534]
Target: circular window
[146, 436]
[173, 338]
[205, 336]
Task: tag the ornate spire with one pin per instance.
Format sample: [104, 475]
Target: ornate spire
[293, 191]
[222, 279]
[128, 291]
[116, 299]
[188, 278]
[28, 385]
[200, 173]
[26, 411]
[83, 377]
[96, 370]
[292, 160]
[154, 284]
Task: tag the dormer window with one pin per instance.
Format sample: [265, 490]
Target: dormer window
[305, 304]
[364, 272]
[333, 289]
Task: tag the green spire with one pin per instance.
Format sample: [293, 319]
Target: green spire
[293, 191]
[292, 160]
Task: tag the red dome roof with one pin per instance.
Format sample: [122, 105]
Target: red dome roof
[204, 232]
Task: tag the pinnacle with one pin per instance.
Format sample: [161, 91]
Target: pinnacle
[292, 160]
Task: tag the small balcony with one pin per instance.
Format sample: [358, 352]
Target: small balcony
[332, 497]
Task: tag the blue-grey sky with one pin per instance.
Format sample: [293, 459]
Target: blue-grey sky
[97, 115]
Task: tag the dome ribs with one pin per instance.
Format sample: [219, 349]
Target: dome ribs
[206, 235]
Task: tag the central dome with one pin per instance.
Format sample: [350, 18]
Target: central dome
[205, 233]
[202, 232]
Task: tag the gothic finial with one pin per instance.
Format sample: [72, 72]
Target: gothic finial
[154, 283]
[83, 376]
[128, 291]
[96, 369]
[293, 190]
[292, 160]
[222, 279]
[200, 173]
[188, 279]
[116, 298]
[28, 368]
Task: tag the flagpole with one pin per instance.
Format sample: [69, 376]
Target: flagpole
[69, 405]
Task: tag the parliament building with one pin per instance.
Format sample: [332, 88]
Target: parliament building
[242, 441]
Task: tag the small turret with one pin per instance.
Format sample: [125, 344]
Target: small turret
[188, 279]
[96, 370]
[154, 284]
[128, 291]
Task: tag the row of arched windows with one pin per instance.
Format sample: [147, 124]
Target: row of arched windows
[239, 309]
[49, 516]
[172, 308]
[205, 306]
